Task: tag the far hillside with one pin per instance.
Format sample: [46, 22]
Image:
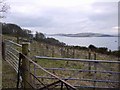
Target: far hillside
[18, 32]
[84, 35]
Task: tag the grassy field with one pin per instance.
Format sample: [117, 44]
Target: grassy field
[42, 49]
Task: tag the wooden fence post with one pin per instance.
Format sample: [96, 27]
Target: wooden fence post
[53, 51]
[73, 53]
[47, 50]
[67, 52]
[89, 64]
[3, 50]
[25, 66]
[61, 51]
[94, 56]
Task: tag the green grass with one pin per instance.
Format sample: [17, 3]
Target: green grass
[40, 49]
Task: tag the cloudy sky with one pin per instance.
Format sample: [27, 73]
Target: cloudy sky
[65, 16]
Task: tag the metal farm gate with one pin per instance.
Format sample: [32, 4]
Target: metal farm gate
[24, 66]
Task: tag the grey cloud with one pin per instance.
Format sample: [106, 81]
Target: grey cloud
[30, 21]
[104, 21]
[47, 19]
[53, 20]
[109, 9]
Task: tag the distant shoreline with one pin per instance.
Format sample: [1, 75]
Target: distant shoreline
[84, 35]
[109, 42]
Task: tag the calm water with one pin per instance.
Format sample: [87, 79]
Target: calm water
[109, 42]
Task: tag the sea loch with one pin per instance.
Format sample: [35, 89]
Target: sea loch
[110, 42]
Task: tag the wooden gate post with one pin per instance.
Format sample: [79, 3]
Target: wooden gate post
[25, 66]
[3, 50]
[119, 71]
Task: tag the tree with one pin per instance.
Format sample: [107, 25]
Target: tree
[3, 8]
[92, 47]
[11, 29]
[54, 41]
[39, 36]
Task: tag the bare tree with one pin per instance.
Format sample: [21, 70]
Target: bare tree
[3, 8]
